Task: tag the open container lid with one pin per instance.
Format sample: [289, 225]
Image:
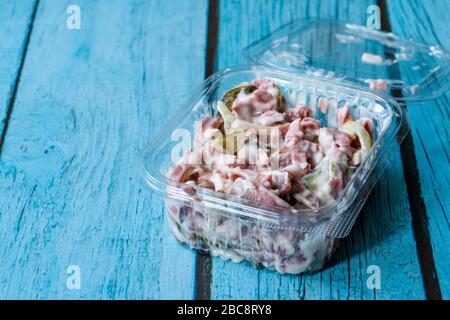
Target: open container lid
[356, 54]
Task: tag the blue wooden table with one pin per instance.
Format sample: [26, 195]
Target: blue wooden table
[77, 106]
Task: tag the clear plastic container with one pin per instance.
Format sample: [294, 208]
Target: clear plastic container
[308, 61]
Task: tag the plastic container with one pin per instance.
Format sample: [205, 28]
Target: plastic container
[308, 60]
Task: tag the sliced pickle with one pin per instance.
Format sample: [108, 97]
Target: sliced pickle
[231, 95]
[354, 128]
[319, 176]
[227, 116]
[234, 141]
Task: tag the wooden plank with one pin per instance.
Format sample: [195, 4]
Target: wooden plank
[382, 237]
[427, 21]
[15, 17]
[89, 101]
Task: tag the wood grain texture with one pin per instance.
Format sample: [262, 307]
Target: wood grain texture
[382, 237]
[88, 102]
[428, 22]
[15, 17]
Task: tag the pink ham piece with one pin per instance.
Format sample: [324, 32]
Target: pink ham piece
[294, 131]
[323, 105]
[305, 197]
[377, 84]
[343, 115]
[264, 84]
[310, 127]
[259, 194]
[210, 123]
[269, 118]
[179, 173]
[367, 124]
[279, 182]
[298, 113]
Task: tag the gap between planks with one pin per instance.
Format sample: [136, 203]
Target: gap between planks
[203, 261]
[17, 81]
[417, 205]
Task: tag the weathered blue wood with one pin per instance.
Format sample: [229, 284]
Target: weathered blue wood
[15, 19]
[88, 102]
[383, 236]
[428, 21]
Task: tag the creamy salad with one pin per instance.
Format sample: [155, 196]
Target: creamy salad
[261, 149]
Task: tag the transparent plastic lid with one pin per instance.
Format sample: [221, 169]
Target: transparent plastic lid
[356, 54]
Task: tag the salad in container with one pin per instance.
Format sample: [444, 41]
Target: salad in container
[272, 162]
